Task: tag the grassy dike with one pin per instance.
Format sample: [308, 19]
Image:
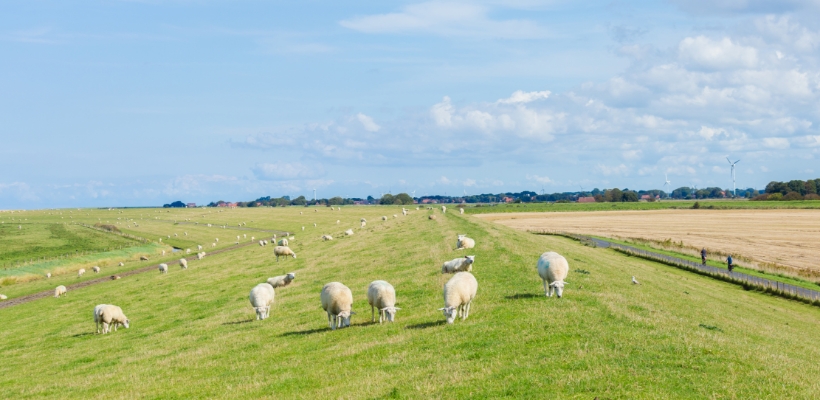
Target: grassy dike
[193, 334]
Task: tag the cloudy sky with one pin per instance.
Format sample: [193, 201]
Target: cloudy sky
[131, 103]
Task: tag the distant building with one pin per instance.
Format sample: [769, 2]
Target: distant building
[191, 205]
[507, 199]
[586, 199]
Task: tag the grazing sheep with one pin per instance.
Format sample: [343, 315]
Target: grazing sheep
[183, 263]
[283, 251]
[96, 269]
[80, 272]
[431, 217]
[143, 258]
[3, 297]
[458, 265]
[337, 222]
[337, 301]
[327, 237]
[303, 229]
[403, 212]
[634, 282]
[443, 209]
[237, 237]
[199, 247]
[461, 210]
[187, 251]
[459, 293]
[261, 298]
[464, 242]
[282, 280]
[163, 252]
[216, 240]
[364, 224]
[261, 243]
[553, 269]
[112, 316]
[163, 268]
[384, 218]
[252, 238]
[60, 291]
[349, 232]
[48, 275]
[97, 319]
[114, 277]
[282, 242]
[382, 296]
[200, 255]
[122, 264]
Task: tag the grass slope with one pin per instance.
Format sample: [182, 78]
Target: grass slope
[53, 239]
[193, 333]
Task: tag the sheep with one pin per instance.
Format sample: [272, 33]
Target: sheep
[282, 280]
[200, 255]
[143, 258]
[349, 232]
[443, 209]
[262, 243]
[48, 275]
[199, 247]
[213, 244]
[96, 269]
[464, 242]
[114, 277]
[97, 319]
[282, 242]
[3, 297]
[80, 272]
[431, 217]
[163, 252]
[337, 301]
[459, 293]
[237, 237]
[382, 296]
[553, 269]
[283, 251]
[163, 268]
[303, 229]
[384, 218]
[252, 238]
[458, 264]
[183, 263]
[187, 251]
[461, 210]
[403, 212]
[364, 224]
[122, 264]
[261, 298]
[216, 240]
[112, 316]
[60, 291]
[327, 237]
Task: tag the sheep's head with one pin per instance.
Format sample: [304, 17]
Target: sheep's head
[344, 318]
[559, 287]
[127, 323]
[470, 259]
[450, 313]
[292, 254]
[290, 276]
[390, 312]
[462, 236]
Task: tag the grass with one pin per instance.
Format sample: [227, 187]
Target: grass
[677, 335]
[642, 206]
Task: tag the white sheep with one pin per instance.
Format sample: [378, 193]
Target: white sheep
[459, 293]
[187, 251]
[3, 297]
[261, 298]
[96, 269]
[303, 229]
[337, 301]
[163, 252]
[163, 268]
[464, 242]
[261, 243]
[349, 232]
[213, 244]
[443, 209]
[183, 263]
[384, 218]
[461, 210]
[122, 264]
[237, 237]
[382, 296]
[282, 242]
[60, 291]
[337, 222]
[97, 316]
[282, 280]
[364, 224]
[553, 269]
[200, 255]
[48, 275]
[80, 272]
[403, 212]
[112, 316]
[327, 237]
[216, 240]
[283, 251]
[458, 265]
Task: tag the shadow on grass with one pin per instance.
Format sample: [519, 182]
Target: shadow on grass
[307, 332]
[523, 296]
[426, 325]
[84, 334]
[244, 321]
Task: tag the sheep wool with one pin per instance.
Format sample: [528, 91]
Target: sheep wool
[163, 268]
[112, 316]
[458, 265]
[261, 298]
[337, 301]
[382, 296]
[283, 251]
[183, 263]
[60, 291]
[553, 269]
[459, 293]
[282, 280]
[464, 242]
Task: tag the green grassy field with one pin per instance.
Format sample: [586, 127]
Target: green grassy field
[193, 334]
[657, 205]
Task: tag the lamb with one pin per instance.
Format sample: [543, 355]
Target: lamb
[464, 242]
[183, 263]
[97, 319]
[553, 269]
[60, 291]
[282, 242]
[382, 296]
[111, 315]
[458, 265]
[261, 298]
[282, 280]
[337, 301]
[163, 268]
[459, 293]
[283, 251]
[349, 232]
[96, 269]
[80, 272]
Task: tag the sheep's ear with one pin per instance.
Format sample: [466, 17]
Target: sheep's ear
[397, 309]
[441, 309]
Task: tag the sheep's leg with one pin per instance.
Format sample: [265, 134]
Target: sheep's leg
[330, 320]
[546, 294]
[468, 310]
[105, 327]
[373, 314]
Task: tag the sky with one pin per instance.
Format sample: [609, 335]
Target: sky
[140, 103]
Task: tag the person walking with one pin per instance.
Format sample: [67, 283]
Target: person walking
[703, 256]
[729, 263]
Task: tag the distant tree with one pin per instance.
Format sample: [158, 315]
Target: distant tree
[176, 204]
[791, 196]
[299, 201]
[797, 186]
[403, 199]
[810, 187]
[335, 201]
[629, 196]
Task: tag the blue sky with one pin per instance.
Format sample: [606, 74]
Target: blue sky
[126, 103]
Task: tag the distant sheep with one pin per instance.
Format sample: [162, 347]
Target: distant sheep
[3, 297]
[199, 247]
[60, 291]
[213, 244]
[282, 280]
[461, 210]
[200, 255]
[95, 269]
[337, 222]
[349, 232]
[122, 264]
[48, 275]
[114, 277]
[112, 316]
[364, 223]
[283, 242]
[163, 252]
[459, 293]
[553, 269]
[464, 242]
[80, 272]
[261, 298]
[458, 265]
[183, 263]
[187, 251]
[283, 251]
[261, 243]
[143, 258]
[443, 209]
[327, 237]
[431, 217]
[337, 301]
[384, 218]
[163, 268]
[382, 296]
[97, 316]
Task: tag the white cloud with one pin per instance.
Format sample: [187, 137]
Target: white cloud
[776, 143]
[721, 54]
[540, 179]
[367, 123]
[469, 182]
[520, 97]
[613, 170]
[287, 171]
[444, 181]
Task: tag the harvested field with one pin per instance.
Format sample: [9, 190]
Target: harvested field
[788, 238]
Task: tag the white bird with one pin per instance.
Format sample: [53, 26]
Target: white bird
[635, 281]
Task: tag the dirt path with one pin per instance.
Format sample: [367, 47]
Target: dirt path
[49, 293]
[785, 237]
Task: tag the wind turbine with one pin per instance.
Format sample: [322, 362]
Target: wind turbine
[734, 190]
[314, 194]
[667, 183]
